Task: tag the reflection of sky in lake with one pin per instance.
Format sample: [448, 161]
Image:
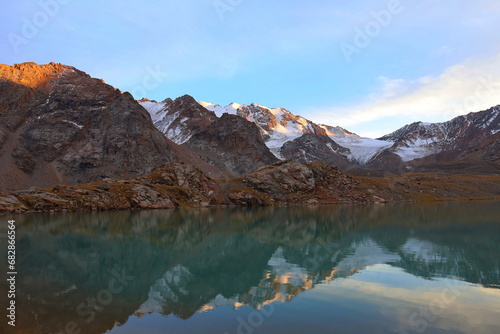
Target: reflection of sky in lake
[379, 298]
[339, 269]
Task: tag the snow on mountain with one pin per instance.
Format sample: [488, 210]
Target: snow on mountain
[362, 149]
[178, 119]
[418, 140]
[279, 126]
[232, 108]
[157, 110]
[163, 120]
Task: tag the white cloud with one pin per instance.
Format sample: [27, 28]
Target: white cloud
[468, 87]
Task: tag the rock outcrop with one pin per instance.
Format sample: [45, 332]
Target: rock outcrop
[284, 183]
[312, 147]
[232, 143]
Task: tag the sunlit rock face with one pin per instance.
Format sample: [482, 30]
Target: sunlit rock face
[58, 125]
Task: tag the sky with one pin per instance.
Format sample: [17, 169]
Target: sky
[368, 66]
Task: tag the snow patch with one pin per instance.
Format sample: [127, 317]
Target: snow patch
[219, 110]
[73, 123]
[362, 149]
[411, 153]
[157, 110]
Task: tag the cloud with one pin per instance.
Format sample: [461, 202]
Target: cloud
[471, 86]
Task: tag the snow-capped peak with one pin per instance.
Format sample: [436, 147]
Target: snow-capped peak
[279, 126]
[219, 110]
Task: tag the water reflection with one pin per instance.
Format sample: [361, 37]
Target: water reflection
[97, 272]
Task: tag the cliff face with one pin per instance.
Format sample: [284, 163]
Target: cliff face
[59, 125]
[312, 147]
[229, 143]
[232, 143]
[179, 119]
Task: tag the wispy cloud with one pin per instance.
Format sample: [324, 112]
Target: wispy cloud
[471, 86]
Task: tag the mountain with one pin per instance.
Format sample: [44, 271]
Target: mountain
[418, 140]
[312, 147]
[279, 126]
[473, 138]
[466, 143]
[229, 143]
[179, 119]
[60, 126]
[290, 136]
[232, 143]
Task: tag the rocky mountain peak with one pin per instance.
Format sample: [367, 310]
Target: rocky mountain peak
[419, 140]
[59, 125]
[179, 119]
[36, 76]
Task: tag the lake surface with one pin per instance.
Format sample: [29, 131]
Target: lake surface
[402, 268]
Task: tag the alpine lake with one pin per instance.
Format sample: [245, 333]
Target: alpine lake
[393, 268]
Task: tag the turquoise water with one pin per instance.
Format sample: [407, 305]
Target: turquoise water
[406, 268]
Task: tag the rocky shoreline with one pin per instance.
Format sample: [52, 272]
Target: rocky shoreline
[285, 183]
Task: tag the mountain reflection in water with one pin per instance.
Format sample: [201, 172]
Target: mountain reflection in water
[204, 268]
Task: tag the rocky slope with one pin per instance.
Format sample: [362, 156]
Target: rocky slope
[59, 125]
[233, 144]
[230, 143]
[472, 138]
[313, 147]
[179, 119]
[289, 182]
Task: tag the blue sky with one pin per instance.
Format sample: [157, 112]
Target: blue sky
[370, 66]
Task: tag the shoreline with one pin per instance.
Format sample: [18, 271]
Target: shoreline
[178, 185]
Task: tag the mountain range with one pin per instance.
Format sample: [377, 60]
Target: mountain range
[471, 140]
[58, 125]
